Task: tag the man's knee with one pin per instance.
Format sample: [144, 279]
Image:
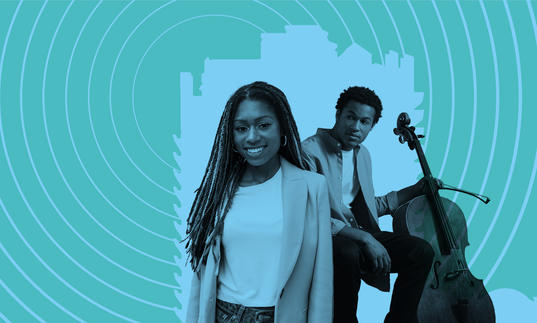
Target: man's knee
[346, 252]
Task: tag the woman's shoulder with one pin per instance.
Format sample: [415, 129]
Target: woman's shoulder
[312, 178]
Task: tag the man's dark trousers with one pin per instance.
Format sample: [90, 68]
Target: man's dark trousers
[411, 258]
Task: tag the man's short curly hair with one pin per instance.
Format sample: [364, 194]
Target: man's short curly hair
[361, 95]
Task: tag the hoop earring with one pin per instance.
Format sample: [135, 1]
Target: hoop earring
[234, 149]
[284, 141]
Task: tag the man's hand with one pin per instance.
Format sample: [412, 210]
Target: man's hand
[374, 252]
[377, 256]
[420, 188]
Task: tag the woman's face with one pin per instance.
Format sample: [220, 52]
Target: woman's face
[256, 132]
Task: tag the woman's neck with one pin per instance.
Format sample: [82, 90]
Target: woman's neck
[258, 174]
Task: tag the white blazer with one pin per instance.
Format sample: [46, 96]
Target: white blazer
[305, 278]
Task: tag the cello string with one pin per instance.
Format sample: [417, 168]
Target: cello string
[446, 228]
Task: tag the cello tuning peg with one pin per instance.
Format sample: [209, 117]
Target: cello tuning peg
[421, 136]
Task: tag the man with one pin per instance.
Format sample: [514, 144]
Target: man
[361, 250]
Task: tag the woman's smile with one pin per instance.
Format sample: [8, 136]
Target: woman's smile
[255, 151]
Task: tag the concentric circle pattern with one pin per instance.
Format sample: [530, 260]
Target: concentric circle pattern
[108, 110]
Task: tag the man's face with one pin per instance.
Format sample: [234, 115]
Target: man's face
[353, 123]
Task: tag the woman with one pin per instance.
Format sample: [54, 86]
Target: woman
[259, 228]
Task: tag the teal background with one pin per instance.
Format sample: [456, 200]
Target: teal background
[90, 129]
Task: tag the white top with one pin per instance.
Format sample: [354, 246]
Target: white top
[348, 191]
[252, 245]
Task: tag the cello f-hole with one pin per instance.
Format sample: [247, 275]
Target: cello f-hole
[436, 280]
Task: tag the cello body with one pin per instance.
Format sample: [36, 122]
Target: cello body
[451, 293]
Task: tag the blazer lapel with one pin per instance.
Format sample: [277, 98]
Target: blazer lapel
[294, 199]
[363, 170]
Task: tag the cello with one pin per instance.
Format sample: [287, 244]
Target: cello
[451, 293]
